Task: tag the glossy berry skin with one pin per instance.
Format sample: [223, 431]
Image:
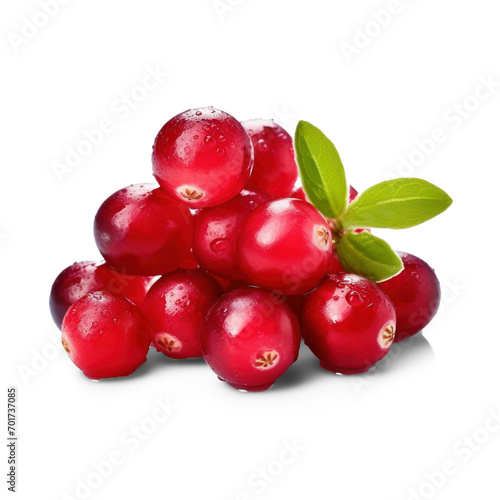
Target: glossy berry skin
[335, 265]
[202, 157]
[83, 277]
[250, 339]
[275, 170]
[416, 294]
[301, 195]
[216, 232]
[105, 335]
[175, 309]
[285, 246]
[139, 230]
[348, 323]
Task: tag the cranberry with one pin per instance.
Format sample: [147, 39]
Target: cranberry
[250, 339]
[83, 277]
[348, 323]
[189, 262]
[294, 301]
[335, 265]
[203, 157]
[416, 293]
[285, 246]
[275, 170]
[140, 230]
[301, 195]
[216, 231]
[105, 335]
[175, 309]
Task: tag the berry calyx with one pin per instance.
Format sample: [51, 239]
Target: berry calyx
[348, 323]
[275, 170]
[83, 277]
[202, 157]
[139, 230]
[105, 335]
[285, 246]
[415, 293]
[250, 339]
[175, 309]
[216, 233]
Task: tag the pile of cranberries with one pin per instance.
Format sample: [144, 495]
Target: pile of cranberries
[226, 259]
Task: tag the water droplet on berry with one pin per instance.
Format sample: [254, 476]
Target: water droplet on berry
[206, 127]
[219, 244]
[195, 137]
[105, 313]
[354, 298]
[94, 323]
[178, 302]
[97, 296]
[181, 287]
[335, 297]
[187, 150]
[220, 151]
[198, 113]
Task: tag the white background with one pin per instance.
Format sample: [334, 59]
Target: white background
[377, 436]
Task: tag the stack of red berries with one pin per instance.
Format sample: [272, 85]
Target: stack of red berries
[248, 266]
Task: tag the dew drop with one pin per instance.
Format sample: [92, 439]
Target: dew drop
[206, 127]
[219, 244]
[198, 113]
[181, 287]
[195, 137]
[354, 298]
[94, 323]
[105, 313]
[178, 302]
[335, 297]
[187, 150]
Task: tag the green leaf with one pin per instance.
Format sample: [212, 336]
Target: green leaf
[321, 170]
[396, 204]
[369, 256]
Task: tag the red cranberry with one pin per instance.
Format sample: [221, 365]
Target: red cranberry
[275, 170]
[140, 230]
[83, 277]
[416, 293]
[202, 157]
[335, 265]
[189, 262]
[294, 301]
[348, 323]
[216, 231]
[105, 335]
[250, 339]
[175, 309]
[285, 246]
